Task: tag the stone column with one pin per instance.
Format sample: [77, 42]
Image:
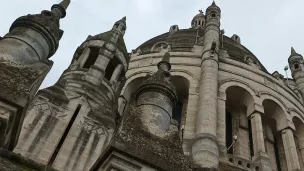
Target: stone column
[97, 71]
[221, 127]
[270, 144]
[260, 156]
[115, 75]
[205, 150]
[290, 150]
[84, 56]
[241, 147]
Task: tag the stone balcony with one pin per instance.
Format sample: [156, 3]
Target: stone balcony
[235, 163]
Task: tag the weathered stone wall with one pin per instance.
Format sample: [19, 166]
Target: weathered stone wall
[47, 120]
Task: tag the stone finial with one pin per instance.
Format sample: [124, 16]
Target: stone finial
[164, 64]
[59, 10]
[124, 19]
[292, 50]
[213, 3]
[65, 4]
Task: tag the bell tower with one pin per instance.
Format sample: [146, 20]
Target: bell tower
[68, 125]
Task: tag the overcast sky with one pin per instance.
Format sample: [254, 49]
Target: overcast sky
[267, 28]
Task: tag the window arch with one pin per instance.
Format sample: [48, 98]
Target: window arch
[94, 52]
[296, 66]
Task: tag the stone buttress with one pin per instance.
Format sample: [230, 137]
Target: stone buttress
[205, 150]
[24, 63]
[68, 125]
[148, 138]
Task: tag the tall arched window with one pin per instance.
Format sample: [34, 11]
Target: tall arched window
[111, 67]
[94, 51]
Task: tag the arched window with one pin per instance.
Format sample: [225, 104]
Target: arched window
[182, 89]
[178, 111]
[94, 51]
[111, 67]
[296, 66]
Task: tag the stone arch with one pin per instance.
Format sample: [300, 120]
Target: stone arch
[193, 81]
[225, 84]
[155, 46]
[240, 99]
[267, 95]
[295, 113]
[274, 109]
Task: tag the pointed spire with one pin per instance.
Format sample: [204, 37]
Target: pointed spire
[213, 3]
[60, 9]
[124, 19]
[65, 4]
[292, 50]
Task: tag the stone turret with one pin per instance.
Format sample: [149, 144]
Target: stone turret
[68, 125]
[198, 21]
[296, 66]
[24, 63]
[147, 138]
[205, 148]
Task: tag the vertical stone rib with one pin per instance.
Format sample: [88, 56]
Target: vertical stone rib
[205, 147]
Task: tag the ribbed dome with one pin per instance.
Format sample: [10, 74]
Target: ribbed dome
[184, 40]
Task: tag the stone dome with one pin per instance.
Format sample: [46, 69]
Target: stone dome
[184, 40]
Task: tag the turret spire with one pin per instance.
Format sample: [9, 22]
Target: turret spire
[292, 50]
[60, 9]
[213, 3]
[65, 4]
[120, 25]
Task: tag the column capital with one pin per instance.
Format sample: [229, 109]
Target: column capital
[284, 130]
[255, 112]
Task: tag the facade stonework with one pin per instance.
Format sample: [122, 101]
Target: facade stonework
[187, 100]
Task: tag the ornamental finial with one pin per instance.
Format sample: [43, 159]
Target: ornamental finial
[65, 3]
[292, 50]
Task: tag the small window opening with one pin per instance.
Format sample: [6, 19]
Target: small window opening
[199, 22]
[229, 136]
[65, 133]
[296, 66]
[111, 67]
[213, 15]
[94, 51]
[178, 111]
[250, 138]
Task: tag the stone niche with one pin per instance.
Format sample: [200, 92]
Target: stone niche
[7, 117]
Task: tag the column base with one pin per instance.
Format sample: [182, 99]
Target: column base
[223, 152]
[262, 161]
[205, 152]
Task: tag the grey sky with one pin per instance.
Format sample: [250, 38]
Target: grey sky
[267, 28]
